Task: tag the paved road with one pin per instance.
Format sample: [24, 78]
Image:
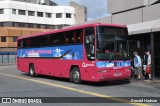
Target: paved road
[14, 83]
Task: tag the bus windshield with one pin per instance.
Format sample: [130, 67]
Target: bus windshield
[112, 43]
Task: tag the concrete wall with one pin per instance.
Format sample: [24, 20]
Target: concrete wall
[140, 15]
[130, 17]
[151, 12]
[81, 12]
[115, 6]
[153, 1]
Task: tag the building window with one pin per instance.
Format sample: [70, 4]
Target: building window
[68, 15]
[30, 25]
[31, 13]
[14, 39]
[21, 12]
[13, 11]
[40, 14]
[58, 15]
[48, 15]
[21, 25]
[1, 11]
[3, 39]
[13, 24]
[38, 26]
[1, 24]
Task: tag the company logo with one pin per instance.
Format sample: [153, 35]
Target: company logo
[6, 100]
[87, 65]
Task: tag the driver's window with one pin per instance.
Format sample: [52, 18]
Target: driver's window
[89, 43]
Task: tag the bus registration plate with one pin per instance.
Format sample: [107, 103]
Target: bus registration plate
[117, 74]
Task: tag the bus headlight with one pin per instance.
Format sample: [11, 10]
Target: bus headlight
[102, 71]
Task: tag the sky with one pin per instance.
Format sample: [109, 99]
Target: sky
[95, 8]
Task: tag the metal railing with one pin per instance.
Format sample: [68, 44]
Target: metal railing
[8, 57]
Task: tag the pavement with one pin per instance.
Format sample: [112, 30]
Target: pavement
[8, 64]
[154, 82]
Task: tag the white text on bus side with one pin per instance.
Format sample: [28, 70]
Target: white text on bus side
[86, 65]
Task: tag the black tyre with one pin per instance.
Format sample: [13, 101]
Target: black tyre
[32, 70]
[71, 78]
[75, 75]
[127, 81]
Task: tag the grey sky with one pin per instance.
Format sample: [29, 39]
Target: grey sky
[95, 8]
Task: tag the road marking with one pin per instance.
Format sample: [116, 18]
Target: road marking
[76, 90]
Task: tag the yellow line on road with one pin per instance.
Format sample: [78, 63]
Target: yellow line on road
[77, 90]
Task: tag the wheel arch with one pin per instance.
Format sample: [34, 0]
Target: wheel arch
[71, 68]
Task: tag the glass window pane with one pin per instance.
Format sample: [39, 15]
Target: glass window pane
[31, 13]
[1, 11]
[58, 15]
[40, 14]
[68, 15]
[21, 12]
[48, 15]
[13, 11]
[3, 39]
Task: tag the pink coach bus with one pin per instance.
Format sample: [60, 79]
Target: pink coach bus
[90, 52]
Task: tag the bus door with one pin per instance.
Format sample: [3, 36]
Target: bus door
[90, 43]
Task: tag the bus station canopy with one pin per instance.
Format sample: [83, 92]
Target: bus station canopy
[144, 27]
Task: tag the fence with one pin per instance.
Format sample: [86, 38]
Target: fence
[8, 57]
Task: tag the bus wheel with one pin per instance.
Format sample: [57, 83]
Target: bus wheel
[31, 70]
[76, 76]
[127, 81]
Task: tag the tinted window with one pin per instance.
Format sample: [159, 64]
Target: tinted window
[79, 36]
[39, 41]
[25, 43]
[57, 39]
[70, 39]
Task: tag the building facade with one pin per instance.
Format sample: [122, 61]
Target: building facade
[81, 12]
[143, 20]
[31, 15]
[25, 17]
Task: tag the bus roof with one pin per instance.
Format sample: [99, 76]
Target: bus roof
[72, 28]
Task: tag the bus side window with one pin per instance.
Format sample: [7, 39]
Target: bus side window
[56, 39]
[89, 43]
[20, 44]
[79, 36]
[25, 43]
[69, 37]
